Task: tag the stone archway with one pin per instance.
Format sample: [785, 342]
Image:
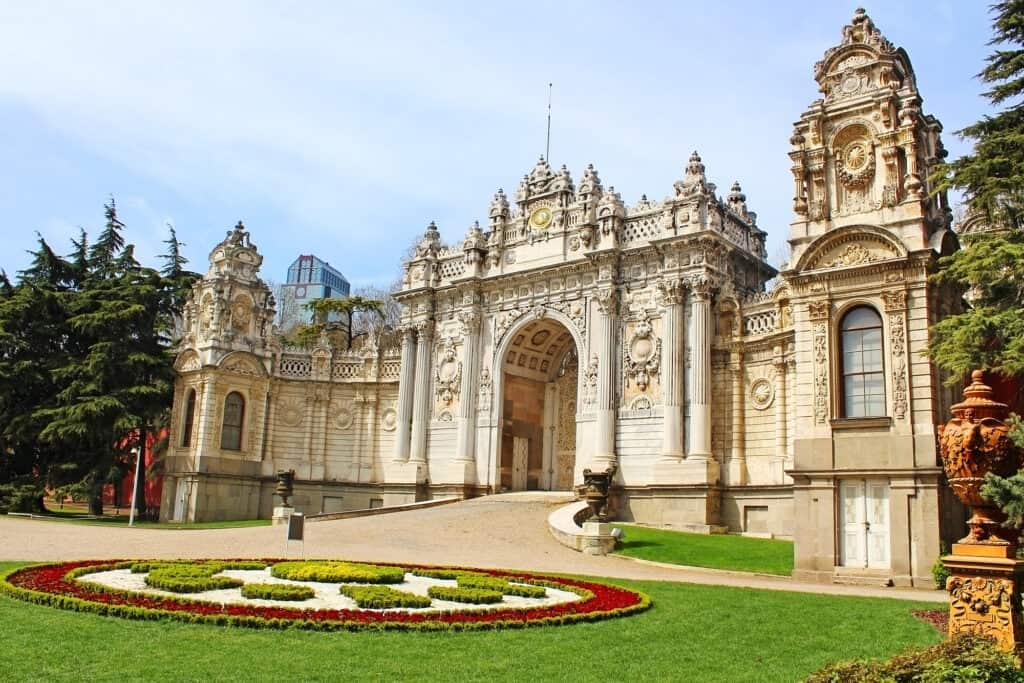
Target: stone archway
[540, 380]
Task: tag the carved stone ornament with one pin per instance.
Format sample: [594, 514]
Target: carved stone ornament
[290, 411]
[342, 417]
[853, 255]
[820, 372]
[608, 301]
[762, 393]
[975, 442]
[240, 366]
[642, 357]
[484, 404]
[670, 292]
[897, 333]
[449, 373]
[590, 383]
[855, 164]
[506, 319]
[986, 606]
[575, 311]
[818, 310]
[389, 420]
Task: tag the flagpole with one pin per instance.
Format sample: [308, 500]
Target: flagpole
[547, 145]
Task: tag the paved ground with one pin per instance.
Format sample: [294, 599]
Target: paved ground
[506, 531]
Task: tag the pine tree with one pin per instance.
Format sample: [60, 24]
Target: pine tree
[989, 333]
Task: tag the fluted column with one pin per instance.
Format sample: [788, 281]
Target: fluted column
[738, 457]
[422, 395]
[700, 371]
[781, 415]
[466, 439]
[671, 294]
[608, 303]
[405, 394]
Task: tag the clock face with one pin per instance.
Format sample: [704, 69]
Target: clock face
[540, 219]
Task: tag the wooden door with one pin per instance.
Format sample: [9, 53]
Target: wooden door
[864, 523]
[520, 462]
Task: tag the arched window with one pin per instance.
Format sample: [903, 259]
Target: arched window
[863, 375]
[188, 418]
[231, 429]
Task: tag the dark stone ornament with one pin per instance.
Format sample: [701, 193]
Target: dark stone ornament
[285, 479]
[596, 485]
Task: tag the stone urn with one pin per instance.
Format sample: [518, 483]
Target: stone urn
[975, 442]
[595, 492]
[285, 479]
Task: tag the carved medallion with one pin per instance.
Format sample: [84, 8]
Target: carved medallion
[762, 393]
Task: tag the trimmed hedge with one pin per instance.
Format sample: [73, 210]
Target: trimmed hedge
[383, 597]
[277, 591]
[185, 578]
[502, 586]
[55, 585]
[446, 574]
[967, 658]
[338, 572]
[476, 596]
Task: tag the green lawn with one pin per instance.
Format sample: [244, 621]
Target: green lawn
[716, 551]
[693, 633]
[122, 520]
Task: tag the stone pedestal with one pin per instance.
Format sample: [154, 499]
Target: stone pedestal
[985, 597]
[687, 471]
[411, 472]
[597, 538]
[282, 513]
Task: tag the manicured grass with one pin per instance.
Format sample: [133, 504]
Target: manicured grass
[716, 551]
[122, 520]
[699, 633]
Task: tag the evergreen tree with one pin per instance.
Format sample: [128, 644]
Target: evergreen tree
[85, 365]
[989, 333]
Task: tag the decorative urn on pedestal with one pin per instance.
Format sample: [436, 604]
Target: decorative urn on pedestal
[985, 579]
[285, 482]
[597, 532]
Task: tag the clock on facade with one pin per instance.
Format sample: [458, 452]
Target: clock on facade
[540, 219]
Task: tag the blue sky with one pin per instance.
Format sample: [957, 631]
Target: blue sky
[342, 129]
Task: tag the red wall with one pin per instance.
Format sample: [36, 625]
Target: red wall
[153, 487]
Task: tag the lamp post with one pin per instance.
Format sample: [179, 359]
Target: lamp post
[135, 483]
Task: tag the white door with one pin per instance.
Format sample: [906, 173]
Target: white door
[520, 461]
[180, 494]
[864, 524]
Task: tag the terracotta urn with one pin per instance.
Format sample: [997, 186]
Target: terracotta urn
[285, 478]
[975, 442]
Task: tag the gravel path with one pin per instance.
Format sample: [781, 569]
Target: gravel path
[506, 531]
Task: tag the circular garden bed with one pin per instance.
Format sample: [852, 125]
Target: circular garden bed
[319, 594]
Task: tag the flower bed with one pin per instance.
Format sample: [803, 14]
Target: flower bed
[57, 585]
[491, 583]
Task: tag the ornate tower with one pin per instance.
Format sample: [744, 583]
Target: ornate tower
[869, 500]
[864, 153]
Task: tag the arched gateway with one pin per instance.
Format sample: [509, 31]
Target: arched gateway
[540, 388]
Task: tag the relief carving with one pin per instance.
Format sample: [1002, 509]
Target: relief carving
[762, 393]
[820, 372]
[484, 406]
[449, 373]
[590, 383]
[642, 356]
[987, 606]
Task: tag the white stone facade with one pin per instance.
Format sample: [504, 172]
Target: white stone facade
[573, 331]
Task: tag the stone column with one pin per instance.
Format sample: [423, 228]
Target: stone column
[405, 394]
[700, 370]
[738, 457]
[671, 294]
[466, 439]
[422, 396]
[608, 303]
[781, 418]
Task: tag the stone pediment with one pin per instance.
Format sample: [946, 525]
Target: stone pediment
[187, 361]
[243, 365]
[850, 247]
